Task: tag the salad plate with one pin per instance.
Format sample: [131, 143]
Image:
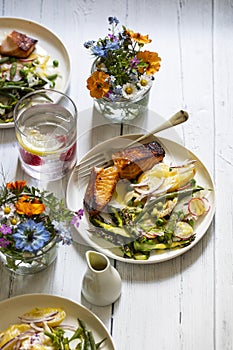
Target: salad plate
[48, 44]
[175, 154]
[16, 306]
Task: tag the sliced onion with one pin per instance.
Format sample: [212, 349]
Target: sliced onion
[26, 59]
[67, 327]
[10, 342]
[46, 318]
[184, 164]
[140, 184]
[17, 340]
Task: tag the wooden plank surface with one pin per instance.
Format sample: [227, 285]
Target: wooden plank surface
[185, 303]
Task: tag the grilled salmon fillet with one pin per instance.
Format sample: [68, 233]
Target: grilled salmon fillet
[100, 188]
[131, 162]
[17, 44]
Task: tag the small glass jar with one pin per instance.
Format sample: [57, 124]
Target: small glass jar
[26, 263]
[124, 110]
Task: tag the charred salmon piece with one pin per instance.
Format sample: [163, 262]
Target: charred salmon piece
[17, 44]
[131, 162]
[100, 188]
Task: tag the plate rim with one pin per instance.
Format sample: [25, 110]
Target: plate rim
[70, 301]
[178, 251]
[59, 40]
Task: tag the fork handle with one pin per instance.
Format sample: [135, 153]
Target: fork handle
[178, 118]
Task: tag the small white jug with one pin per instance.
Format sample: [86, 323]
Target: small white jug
[101, 283]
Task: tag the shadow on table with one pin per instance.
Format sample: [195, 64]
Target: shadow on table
[167, 269]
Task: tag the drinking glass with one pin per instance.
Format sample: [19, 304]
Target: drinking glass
[46, 130]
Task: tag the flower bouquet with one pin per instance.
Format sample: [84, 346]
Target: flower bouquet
[122, 74]
[32, 222]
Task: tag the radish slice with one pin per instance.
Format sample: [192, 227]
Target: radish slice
[197, 206]
[207, 204]
[183, 230]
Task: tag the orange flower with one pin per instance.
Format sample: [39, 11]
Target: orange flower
[141, 39]
[26, 206]
[17, 185]
[98, 84]
[151, 59]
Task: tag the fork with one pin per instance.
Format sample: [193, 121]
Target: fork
[103, 158]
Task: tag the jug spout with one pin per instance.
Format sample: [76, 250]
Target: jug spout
[97, 261]
[101, 283]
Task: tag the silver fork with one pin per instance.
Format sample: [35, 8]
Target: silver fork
[103, 158]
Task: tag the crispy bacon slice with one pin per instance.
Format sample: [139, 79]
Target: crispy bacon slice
[17, 44]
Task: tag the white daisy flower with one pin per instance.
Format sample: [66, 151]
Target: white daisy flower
[145, 81]
[129, 90]
[7, 211]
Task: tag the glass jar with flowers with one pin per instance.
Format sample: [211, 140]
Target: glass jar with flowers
[122, 74]
[32, 223]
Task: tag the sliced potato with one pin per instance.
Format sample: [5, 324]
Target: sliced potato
[51, 315]
[10, 333]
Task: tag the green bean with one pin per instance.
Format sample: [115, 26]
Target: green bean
[5, 106]
[15, 87]
[87, 344]
[13, 70]
[91, 339]
[13, 83]
[77, 334]
[4, 59]
[8, 94]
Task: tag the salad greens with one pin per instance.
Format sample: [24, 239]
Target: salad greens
[153, 224]
[20, 76]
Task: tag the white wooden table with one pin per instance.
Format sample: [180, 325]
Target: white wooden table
[187, 302]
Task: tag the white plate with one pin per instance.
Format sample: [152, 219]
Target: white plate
[175, 154]
[48, 43]
[16, 306]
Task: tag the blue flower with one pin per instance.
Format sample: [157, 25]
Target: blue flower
[112, 45]
[113, 20]
[64, 234]
[89, 44]
[99, 51]
[31, 236]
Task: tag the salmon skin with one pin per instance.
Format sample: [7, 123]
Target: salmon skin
[131, 162]
[18, 45]
[100, 188]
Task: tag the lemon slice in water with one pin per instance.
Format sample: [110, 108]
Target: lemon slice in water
[40, 144]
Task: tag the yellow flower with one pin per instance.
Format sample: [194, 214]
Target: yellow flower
[141, 39]
[151, 59]
[98, 84]
[26, 206]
